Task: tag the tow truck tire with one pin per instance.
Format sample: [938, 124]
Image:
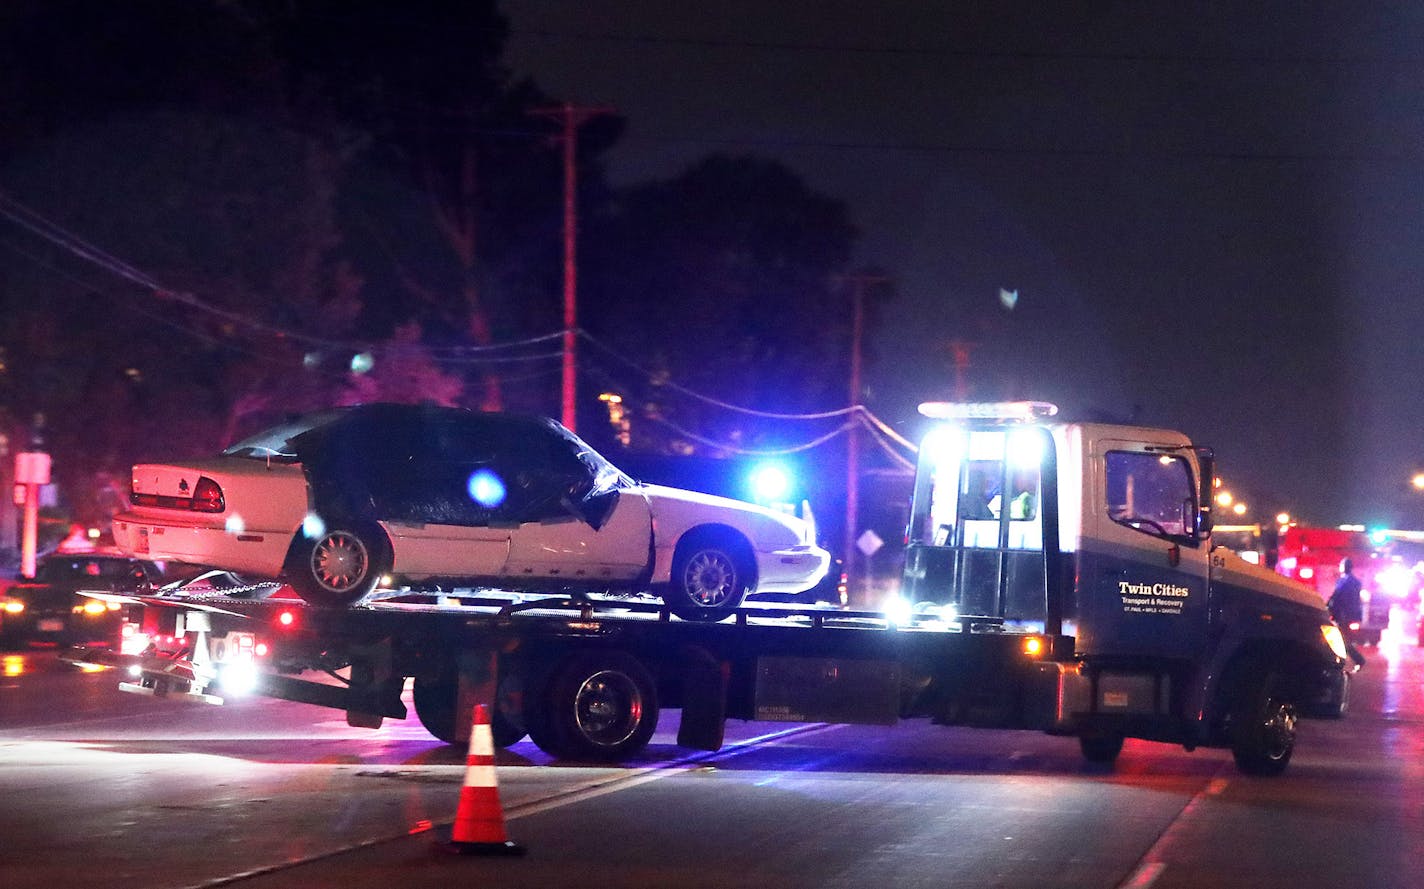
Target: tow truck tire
[435, 704]
[339, 567]
[1101, 749]
[601, 706]
[711, 574]
[1263, 726]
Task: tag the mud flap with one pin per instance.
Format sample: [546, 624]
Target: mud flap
[375, 690]
[704, 701]
[477, 672]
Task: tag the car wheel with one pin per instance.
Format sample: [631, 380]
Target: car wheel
[1263, 727]
[1102, 749]
[599, 706]
[339, 567]
[710, 577]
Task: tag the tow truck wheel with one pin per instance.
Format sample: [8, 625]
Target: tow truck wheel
[436, 701]
[1263, 729]
[600, 706]
[340, 566]
[710, 577]
[435, 706]
[1103, 749]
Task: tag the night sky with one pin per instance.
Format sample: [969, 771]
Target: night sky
[1213, 218]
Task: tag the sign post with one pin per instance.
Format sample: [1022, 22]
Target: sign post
[31, 471]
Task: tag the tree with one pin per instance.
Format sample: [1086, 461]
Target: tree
[724, 279]
[217, 146]
[456, 197]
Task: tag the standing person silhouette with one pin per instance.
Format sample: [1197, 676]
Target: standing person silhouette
[1347, 609]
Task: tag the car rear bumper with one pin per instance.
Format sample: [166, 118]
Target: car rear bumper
[252, 551]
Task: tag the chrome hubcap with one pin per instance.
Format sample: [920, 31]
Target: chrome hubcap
[1280, 730]
[710, 578]
[340, 561]
[608, 708]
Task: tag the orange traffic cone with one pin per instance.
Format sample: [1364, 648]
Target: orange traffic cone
[479, 820]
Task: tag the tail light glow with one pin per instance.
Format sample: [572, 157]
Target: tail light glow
[207, 496]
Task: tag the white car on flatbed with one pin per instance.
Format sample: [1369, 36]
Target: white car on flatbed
[340, 501]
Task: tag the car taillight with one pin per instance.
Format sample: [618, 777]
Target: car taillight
[207, 496]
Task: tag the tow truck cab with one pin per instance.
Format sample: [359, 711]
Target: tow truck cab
[1101, 535]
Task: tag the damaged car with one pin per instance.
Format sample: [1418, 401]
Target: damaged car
[344, 501]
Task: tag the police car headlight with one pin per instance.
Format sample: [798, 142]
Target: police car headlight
[1334, 639]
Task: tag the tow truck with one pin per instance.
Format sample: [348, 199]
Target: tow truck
[1059, 577]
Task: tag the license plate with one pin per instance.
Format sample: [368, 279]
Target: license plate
[51, 625]
[142, 547]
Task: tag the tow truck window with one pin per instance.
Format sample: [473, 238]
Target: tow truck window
[1151, 493]
[968, 484]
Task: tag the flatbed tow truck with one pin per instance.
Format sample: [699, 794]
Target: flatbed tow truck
[1059, 577]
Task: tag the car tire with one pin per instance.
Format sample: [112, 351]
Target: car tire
[1263, 725]
[339, 567]
[1101, 749]
[600, 706]
[711, 575]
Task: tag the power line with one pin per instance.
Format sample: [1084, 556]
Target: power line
[949, 52]
[753, 452]
[885, 445]
[52, 232]
[707, 399]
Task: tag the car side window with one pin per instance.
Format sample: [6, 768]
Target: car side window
[1150, 492]
[534, 475]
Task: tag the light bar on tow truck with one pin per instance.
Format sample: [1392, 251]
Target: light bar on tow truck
[1022, 411]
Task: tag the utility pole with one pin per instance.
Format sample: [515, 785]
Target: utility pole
[961, 351]
[571, 117]
[858, 284]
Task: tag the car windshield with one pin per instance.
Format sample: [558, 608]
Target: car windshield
[606, 477]
[279, 443]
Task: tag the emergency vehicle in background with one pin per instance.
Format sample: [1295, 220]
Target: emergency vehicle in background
[1059, 577]
[1313, 555]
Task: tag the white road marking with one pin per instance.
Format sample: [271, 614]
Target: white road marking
[1151, 865]
[602, 786]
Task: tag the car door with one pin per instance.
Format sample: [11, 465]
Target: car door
[1143, 569]
[553, 512]
[440, 506]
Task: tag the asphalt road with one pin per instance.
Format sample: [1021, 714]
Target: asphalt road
[100, 788]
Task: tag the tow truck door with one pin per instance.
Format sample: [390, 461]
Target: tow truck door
[1143, 568]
